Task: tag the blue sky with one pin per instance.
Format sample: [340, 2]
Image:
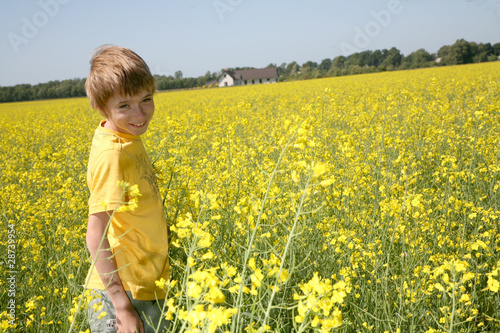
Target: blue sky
[43, 40]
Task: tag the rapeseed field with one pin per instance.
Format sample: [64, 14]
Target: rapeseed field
[367, 203]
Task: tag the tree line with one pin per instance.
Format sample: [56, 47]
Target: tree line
[461, 52]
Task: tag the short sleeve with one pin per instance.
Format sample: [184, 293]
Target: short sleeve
[107, 170]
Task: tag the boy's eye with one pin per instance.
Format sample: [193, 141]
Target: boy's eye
[124, 106]
[145, 100]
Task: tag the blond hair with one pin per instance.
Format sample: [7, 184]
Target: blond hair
[115, 69]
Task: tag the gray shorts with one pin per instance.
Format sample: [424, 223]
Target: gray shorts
[149, 311]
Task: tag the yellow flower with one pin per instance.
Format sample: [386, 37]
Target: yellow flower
[333, 322]
[438, 286]
[190, 261]
[257, 278]
[315, 321]
[234, 289]
[467, 276]
[251, 264]
[215, 295]
[230, 270]
[183, 314]
[5, 325]
[493, 284]
[194, 290]
[465, 298]
[30, 305]
[171, 309]
[299, 146]
[160, 283]
[205, 240]
[319, 169]
[208, 255]
[327, 182]
[134, 190]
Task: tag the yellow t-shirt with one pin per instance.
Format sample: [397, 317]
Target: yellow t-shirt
[138, 238]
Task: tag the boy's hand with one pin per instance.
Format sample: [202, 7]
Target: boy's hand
[128, 321]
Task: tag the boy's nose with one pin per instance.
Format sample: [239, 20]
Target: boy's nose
[139, 110]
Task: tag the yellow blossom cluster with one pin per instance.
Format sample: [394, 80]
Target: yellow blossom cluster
[130, 192]
[319, 301]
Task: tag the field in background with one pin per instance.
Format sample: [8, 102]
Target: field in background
[352, 204]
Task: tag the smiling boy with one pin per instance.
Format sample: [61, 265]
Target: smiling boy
[134, 251]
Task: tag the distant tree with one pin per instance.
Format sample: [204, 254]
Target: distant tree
[5, 94]
[355, 69]
[325, 65]
[377, 58]
[442, 54]
[241, 68]
[64, 89]
[355, 59]
[459, 53]
[496, 49]
[418, 59]
[339, 62]
[41, 93]
[306, 70]
[189, 82]
[21, 92]
[365, 58]
[309, 70]
[482, 52]
[292, 68]
[392, 59]
[282, 70]
[310, 64]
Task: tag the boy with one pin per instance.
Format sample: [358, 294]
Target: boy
[134, 252]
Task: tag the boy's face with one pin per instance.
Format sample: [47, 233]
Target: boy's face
[130, 114]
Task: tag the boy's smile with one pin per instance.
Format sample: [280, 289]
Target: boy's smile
[130, 114]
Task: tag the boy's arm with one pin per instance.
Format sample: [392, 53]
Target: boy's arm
[127, 319]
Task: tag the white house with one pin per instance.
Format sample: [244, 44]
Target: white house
[248, 76]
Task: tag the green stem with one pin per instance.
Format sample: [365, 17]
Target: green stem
[450, 330]
[235, 325]
[288, 244]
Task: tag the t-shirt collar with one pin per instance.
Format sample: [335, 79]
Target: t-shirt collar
[118, 134]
